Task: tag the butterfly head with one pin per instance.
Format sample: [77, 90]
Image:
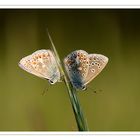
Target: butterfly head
[83, 88]
[54, 79]
[79, 86]
[51, 82]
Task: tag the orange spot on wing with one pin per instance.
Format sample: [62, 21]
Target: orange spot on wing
[81, 55]
[44, 55]
[34, 62]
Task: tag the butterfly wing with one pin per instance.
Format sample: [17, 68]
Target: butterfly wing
[41, 63]
[25, 64]
[97, 62]
[76, 64]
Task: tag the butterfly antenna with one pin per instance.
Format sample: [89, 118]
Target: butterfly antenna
[46, 88]
[95, 91]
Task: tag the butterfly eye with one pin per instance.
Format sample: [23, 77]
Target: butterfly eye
[84, 88]
[51, 82]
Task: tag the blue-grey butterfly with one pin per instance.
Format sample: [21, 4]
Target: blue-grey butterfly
[42, 63]
[83, 67]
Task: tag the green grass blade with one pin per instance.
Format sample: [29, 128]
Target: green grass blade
[80, 120]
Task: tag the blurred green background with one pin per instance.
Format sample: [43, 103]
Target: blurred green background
[114, 33]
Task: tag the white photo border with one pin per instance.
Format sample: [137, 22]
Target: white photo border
[64, 4]
[71, 3]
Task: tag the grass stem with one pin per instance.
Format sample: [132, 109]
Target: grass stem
[80, 120]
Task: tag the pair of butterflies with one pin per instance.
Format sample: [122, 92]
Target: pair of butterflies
[80, 66]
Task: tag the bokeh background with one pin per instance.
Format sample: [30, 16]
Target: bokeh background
[114, 33]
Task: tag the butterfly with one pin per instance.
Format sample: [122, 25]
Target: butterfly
[42, 63]
[82, 67]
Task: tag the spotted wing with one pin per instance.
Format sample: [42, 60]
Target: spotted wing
[76, 64]
[41, 63]
[25, 64]
[97, 62]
